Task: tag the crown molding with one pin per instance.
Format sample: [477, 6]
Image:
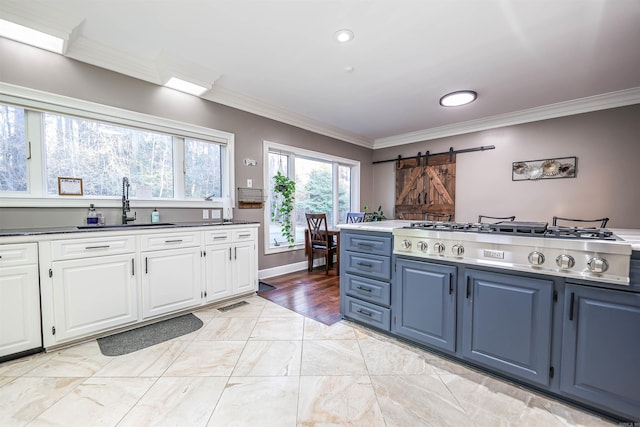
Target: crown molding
[578, 106]
[233, 99]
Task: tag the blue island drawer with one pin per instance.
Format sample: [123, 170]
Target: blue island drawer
[377, 245]
[370, 314]
[374, 266]
[371, 290]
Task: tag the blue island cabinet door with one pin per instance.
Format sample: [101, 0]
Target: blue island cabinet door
[424, 305]
[507, 321]
[601, 349]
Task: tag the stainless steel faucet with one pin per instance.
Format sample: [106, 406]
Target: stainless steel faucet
[125, 202]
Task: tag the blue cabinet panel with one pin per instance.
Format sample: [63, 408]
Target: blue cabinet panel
[601, 348]
[372, 314]
[371, 290]
[367, 243]
[508, 324]
[424, 304]
[374, 266]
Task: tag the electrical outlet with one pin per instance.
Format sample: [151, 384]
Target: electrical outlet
[249, 183]
[205, 213]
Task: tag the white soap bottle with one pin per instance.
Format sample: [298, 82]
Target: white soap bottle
[155, 216]
[92, 216]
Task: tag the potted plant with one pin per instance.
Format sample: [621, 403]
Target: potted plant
[284, 197]
[375, 215]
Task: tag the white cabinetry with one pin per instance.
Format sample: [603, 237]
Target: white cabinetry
[231, 256]
[171, 279]
[93, 286]
[19, 299]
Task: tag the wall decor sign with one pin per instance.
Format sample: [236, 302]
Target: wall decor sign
[70, 186]
[562, 167]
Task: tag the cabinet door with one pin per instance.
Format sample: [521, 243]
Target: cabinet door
[244, 268]
[424, 306]
[601, 348]
[19, 309]
[171, 281]
[218, 272]
[92, 295]
[507, 323]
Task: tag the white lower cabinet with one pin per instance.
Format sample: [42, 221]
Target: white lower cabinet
[19, 299]
[91, 295]
[230, 263]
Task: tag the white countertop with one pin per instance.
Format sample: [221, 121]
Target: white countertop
[628, 235]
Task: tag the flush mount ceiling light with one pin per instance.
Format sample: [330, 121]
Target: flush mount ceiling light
[31, 37]
[185, 86]
[343, 36]
[458, 98]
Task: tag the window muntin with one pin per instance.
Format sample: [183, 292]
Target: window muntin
[13, 149]
[324, 183]
[203, 169]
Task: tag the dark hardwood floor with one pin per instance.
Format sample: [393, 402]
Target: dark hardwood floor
[313, 294]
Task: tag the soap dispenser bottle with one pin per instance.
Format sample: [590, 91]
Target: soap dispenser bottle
[92, 216]
[155, 216]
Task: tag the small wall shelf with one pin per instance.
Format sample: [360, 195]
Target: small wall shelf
[250, 198]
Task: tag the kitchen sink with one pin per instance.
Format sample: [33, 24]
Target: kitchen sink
[92, 227]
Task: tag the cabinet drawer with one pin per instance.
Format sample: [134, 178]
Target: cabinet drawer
[84, 248]
[223, 235]
[244, 234]
[377, 245]
[18, 254]
[374, 266]
[371, 290]
[154, 242]
[371, 314]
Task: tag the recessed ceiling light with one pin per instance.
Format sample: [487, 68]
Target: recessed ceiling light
[343, 36]
[185, 86]
[458, 98]
[31, 37]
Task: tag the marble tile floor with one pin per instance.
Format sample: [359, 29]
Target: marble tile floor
[263, 365]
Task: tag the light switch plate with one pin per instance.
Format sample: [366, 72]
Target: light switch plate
[205, 213]
[249, 183]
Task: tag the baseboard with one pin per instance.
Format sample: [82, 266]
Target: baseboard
[288, 268]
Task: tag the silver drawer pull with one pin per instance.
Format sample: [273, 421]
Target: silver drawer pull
[173, 241]
[244, 235]
[98, 247]
[364, 264]
[366, 313]
[363, 289]
[219, 237]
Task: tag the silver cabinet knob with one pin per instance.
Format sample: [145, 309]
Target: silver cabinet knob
[536, 258]
[565, 262]
[457, 250]
[438, 248]
[406, 244]
[423, 246]
[598, 265]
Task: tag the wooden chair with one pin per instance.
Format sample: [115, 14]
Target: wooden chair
[601, 222]
[437, 217]
[353, 217]
[320, 241]
[494, 219]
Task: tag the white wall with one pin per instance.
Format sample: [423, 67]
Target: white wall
[606, 143]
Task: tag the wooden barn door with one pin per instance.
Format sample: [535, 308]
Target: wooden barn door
[427, 186]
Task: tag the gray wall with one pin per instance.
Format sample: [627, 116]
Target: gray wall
[38, 69]
[606, 143]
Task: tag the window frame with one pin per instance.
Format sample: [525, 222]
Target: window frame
[293, 152]
[37, 102]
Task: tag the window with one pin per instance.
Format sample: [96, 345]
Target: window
[324, 184]
[102, 154]
[13, 149]
[169, 163]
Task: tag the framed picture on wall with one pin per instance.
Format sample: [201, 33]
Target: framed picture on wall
[561, 167]
[70, 186]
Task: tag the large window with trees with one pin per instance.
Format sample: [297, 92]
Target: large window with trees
[168, 163]
[324, 184]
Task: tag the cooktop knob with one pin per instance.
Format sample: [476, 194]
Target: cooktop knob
[423, 246]
[565, 262]
[406, 244]
[438, 248]
[598, 265]
[457, 250]
[536, 258]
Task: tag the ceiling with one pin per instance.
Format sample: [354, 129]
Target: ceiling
[527, 60]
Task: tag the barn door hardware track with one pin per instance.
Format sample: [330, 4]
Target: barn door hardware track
[427, 154]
